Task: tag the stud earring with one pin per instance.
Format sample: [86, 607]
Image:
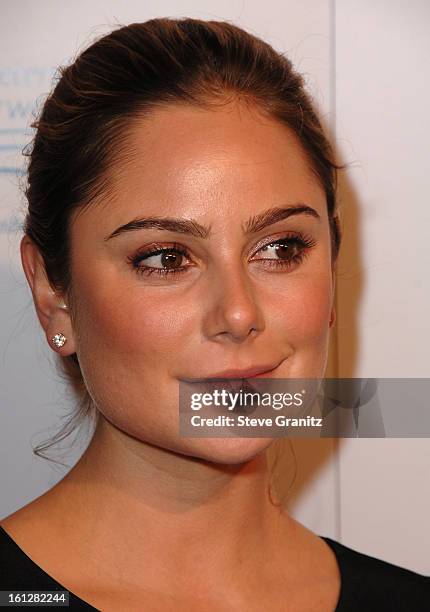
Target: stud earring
[59, 340]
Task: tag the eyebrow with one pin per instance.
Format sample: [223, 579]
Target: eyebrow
[193, 228]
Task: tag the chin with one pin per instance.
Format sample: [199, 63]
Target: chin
[227, 451]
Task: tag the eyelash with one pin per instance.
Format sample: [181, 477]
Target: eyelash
[304, 242]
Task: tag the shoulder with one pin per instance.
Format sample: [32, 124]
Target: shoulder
[21, 536]
[373, 584]
[16, 568]
[18, 572]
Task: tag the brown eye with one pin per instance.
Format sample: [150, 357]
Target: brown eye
[161, 261]
[171, 260]
[285, 252]
[286, 248]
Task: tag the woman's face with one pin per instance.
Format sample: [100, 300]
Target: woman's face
[225, 297]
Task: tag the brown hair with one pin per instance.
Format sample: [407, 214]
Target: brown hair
[83, 125]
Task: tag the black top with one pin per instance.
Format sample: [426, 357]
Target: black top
[367, 584]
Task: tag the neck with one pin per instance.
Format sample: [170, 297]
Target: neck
[146, 507]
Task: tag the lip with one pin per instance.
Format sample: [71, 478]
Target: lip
[239, 374]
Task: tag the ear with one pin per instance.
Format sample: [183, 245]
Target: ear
[52, 311]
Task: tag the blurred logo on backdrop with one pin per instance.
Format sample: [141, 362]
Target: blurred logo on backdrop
[22, 88]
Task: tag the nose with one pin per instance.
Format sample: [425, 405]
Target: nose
[232, 311]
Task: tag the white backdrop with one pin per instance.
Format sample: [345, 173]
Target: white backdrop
[365, 63]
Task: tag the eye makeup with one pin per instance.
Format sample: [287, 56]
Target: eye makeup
[289, 250]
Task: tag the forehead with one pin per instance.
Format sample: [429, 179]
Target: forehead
[193, 161]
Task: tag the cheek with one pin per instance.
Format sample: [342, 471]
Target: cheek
[142, 324]
[303, 322]
[303, 309]
[126, 345]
